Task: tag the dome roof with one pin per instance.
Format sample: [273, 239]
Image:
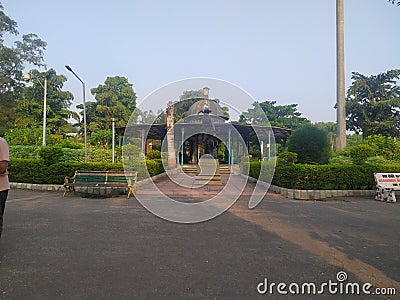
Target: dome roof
[206, 106]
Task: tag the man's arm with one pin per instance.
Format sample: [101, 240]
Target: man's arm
[3, 166]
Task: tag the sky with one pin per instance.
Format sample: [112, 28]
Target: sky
[273, 50]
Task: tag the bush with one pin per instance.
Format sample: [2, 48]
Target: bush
[377, 160]
[153, 154]
[37, 171]
[359, 153]
[324, 177]
[287, 158]
[311, 145]
[21, 151]
[50, 154]
[340, 160]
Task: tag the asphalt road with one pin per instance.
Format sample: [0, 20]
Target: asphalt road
[82, 248]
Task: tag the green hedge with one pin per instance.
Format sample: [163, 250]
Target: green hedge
[95, 154]
[37, 171]
[324, 177]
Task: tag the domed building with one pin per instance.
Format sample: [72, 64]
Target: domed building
[205, 130]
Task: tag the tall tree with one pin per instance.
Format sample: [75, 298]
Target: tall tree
[28, 50]
[114, 99]
[29, 109]
[285, 116]
[186, 100]
[373, 104]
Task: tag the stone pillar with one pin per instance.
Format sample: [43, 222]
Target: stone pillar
[170, 136]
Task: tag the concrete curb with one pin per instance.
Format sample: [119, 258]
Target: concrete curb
[35, 186]
[314, 194]
[57, 187]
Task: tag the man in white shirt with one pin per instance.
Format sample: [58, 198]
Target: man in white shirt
[4, 184]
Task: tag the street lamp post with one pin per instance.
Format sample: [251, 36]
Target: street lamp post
[84, 110]
[28, 77]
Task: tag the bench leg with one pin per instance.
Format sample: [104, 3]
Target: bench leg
[379, 196]
[129, 192]
[392, 197]
[68, 189]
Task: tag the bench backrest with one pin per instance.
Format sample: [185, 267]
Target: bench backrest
[388, 180]
[104, 177]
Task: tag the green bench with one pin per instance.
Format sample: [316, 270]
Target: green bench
[101, 182]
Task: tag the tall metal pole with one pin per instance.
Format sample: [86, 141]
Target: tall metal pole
[229, 147]
[44, 111]
[84, 121]
[84, 110]
[113, 140]
[183, 144]
[340, 92]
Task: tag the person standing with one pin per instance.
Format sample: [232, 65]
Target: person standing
[4, 184]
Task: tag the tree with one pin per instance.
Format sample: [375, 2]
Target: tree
[114, 99]
[29, 108]
[28, 50]
[373, 104]
[186, 100]
[285, 116]
[148, 117]
[311, 145]
[394, 1]
[330, 129]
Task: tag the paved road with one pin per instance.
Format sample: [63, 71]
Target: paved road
[82, 248]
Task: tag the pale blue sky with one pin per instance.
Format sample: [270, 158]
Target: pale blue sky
[275, 50]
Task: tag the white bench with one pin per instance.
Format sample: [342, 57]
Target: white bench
[386, 185]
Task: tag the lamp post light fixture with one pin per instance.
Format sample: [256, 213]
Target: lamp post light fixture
[28, 77]
[84, 110]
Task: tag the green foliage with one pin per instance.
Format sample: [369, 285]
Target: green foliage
[70, 145]
[373, 149]
[377, 160]
[153, 154]
[330, 128]
[386, 146]
[186, 100]
[101, 137]
[29, 108]
[324, 177]
[21, 151]
[353, 139]
[373, 104]
[27, 136]
[285, 116]
[28, 50]
[361, 152]
[30, 136]
[340, 160]
[311, 145]
[114, 99]
[287, 158]
[37, 171]
[50, 154]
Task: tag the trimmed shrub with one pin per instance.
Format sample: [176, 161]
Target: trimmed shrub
[21, 151]
[153, 154]
[324, 177]
[311, 145]
[361, 152]
[340, 160]
[50, 154]
[37, 171]
[287, 158]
